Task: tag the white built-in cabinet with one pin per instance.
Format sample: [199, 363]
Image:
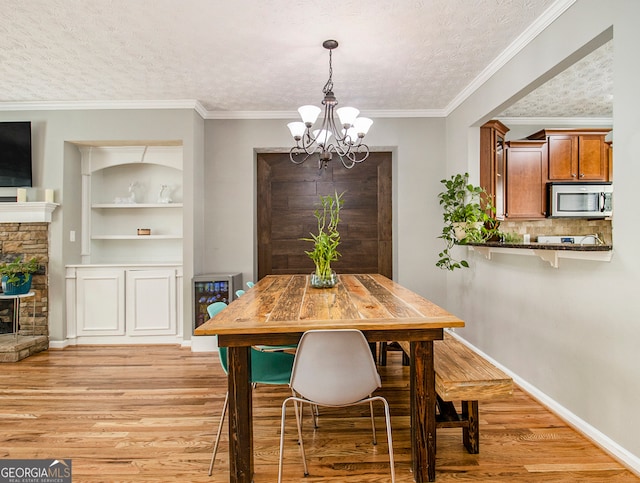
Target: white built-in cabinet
[124, 304]
[128, 288]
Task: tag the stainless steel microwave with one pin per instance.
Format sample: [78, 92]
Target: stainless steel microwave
[580, 199]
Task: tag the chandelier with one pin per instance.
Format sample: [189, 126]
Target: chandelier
[344, 139]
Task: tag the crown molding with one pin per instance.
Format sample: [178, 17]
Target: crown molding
[398, 113]
[548, 17]
[195, 105]
[558, 121]
[97, 105]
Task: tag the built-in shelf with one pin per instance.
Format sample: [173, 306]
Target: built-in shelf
[549, 253]
[126, 187]
[136, 205]
[27, 212]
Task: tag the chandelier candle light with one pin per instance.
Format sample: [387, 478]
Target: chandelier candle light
[345, 141]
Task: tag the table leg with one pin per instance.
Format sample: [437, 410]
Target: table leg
[240, 416]
[423, 411]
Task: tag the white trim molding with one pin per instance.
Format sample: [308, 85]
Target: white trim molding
[631, 461]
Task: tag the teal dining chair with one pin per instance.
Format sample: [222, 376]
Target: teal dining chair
[250, 284]
[267, 367]
[239, 293]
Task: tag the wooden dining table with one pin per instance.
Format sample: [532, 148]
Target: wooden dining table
[280, 308]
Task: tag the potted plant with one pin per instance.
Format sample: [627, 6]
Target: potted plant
[326, 241]
[467, 216]
[17, 273]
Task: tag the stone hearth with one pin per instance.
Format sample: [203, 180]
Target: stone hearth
[14, 349]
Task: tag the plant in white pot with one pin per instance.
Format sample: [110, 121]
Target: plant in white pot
[467, 216]
[326, 241]
[17, 273]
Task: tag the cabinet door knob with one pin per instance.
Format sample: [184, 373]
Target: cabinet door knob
[582, 175]
[573, 175]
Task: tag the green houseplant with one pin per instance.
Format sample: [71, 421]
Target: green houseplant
[326, 241]
[17, 273]
[467, 216]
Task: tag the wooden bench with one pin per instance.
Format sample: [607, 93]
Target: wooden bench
[463, 375]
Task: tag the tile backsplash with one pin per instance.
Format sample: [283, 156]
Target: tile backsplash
[560, 226]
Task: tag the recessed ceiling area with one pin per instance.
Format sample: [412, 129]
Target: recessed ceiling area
[583, 90]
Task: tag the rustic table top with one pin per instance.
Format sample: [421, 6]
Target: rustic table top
[287, 303]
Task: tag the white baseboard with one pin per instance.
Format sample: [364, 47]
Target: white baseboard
[204, 343]
[59, 344]
[627, 458]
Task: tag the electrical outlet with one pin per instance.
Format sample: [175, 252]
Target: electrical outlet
[72, 236]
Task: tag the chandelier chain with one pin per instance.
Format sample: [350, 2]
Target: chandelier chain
[328, 87]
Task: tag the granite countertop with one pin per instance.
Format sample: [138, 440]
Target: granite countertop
[546, 246]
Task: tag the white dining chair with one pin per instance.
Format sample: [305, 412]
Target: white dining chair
[333, 368]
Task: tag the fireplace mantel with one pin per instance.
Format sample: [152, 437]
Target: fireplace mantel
[27, 212]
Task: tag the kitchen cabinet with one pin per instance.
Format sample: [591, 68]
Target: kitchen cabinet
[526, 169]
[610, 158]
[576, 155]
[108, 304]
[492, 164]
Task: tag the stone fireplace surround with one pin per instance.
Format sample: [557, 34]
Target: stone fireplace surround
[29, 238]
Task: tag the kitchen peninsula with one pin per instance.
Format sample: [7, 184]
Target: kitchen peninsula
[549, 252]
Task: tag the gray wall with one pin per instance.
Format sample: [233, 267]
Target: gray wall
[572, 332]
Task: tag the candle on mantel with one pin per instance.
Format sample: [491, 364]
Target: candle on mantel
[48, 195]
[21, 194]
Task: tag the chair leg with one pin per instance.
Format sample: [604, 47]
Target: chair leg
[284, 410]
[215, 445]
[299, 425]
[373, 423]
[387, 415]
[315, 413]
[282, 425]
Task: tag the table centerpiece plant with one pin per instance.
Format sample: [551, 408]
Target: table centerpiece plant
[467, 216]
[326, 241]
[17, 273]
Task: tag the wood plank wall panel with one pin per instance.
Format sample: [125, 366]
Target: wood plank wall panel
[288, 195]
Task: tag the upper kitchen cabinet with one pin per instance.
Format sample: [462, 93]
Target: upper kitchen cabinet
[526, 173]
[576, 155]
[492, 164]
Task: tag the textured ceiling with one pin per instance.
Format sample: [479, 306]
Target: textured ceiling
[256, 55]
[583, 90]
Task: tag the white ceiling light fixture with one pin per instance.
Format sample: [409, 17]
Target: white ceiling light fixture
[345, 140]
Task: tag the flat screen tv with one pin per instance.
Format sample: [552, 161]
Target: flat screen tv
[15, 154]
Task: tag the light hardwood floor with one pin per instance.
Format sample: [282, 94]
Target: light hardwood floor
[148, 413]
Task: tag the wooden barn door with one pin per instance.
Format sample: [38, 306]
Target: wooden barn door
[288, 194]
